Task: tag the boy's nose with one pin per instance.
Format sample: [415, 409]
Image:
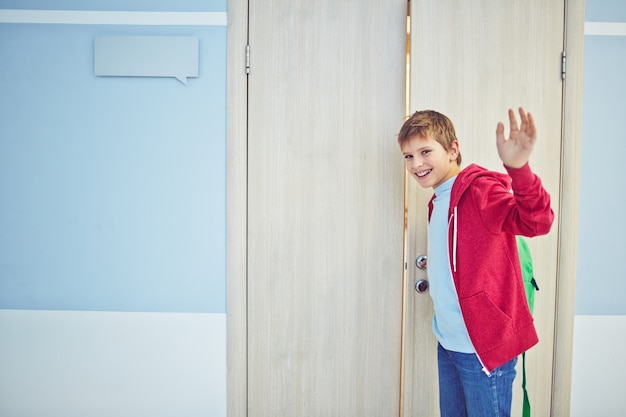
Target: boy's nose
[417, 162]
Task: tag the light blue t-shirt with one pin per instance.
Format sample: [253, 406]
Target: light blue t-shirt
[448, 324]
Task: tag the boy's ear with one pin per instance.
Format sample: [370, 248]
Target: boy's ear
[454, 151]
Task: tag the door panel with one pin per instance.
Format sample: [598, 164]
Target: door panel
[472, 61]
[325, 207]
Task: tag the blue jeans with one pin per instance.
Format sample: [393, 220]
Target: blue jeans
[466, 391]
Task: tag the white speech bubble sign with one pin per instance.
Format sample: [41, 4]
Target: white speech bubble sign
[146, 56]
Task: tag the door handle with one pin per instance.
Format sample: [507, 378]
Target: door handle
[421, 262]
[421, 286]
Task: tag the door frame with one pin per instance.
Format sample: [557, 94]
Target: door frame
[237, 209]
[568, 209]
[237, 205]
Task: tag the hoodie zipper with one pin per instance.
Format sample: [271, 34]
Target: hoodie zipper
[454, 245]
[454, 241]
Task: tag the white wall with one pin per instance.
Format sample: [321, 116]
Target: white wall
[103, 364]
[599, 366]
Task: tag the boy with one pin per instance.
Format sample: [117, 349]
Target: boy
[481, 320]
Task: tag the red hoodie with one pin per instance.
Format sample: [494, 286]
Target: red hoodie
[483, 220]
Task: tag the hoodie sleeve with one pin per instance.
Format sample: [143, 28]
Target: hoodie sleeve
[532, 201]
[526, 211]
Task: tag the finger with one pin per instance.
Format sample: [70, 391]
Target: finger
[512, 120]
[523, 119]
[500, 133]
[532, 130]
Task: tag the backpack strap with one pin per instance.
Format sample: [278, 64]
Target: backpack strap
[526, 404]
[530, 286]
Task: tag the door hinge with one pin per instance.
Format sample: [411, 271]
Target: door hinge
[247, 59]
[563, 63]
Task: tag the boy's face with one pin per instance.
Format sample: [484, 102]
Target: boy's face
[428, 162]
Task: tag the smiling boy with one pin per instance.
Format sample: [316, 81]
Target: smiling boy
[481, 316]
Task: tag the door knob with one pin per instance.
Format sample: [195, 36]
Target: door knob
[421, 286]
[421, 262]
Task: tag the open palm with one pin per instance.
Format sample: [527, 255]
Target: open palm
[515, 151]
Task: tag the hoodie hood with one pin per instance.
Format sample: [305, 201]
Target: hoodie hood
[465, 178]
[468, 175]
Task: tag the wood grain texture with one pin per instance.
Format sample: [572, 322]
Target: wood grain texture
[236, 207]
[325, 207]
[472, 61]
[568, 228]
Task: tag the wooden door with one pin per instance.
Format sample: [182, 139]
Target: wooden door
[326, 96]
[472, 61]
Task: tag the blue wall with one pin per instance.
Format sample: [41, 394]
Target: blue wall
[601, 286]
[112, 189]
[605, 11]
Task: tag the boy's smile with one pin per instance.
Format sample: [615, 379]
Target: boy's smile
[428, 162]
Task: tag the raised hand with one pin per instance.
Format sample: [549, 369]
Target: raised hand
[515, 151]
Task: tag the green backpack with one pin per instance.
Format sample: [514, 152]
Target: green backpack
[530, 285]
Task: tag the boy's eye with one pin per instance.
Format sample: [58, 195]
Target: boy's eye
[408, 156]
[425, 151]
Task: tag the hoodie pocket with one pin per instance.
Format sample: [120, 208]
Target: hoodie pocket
[486, 323]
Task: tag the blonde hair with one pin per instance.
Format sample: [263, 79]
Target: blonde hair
[429, 122]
